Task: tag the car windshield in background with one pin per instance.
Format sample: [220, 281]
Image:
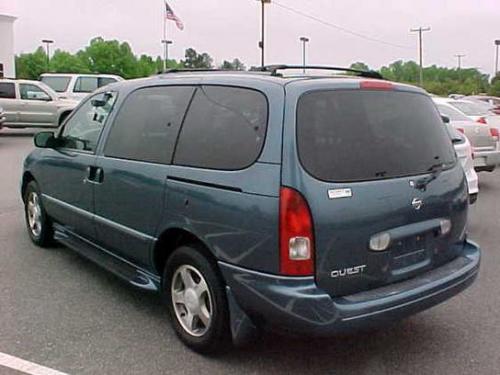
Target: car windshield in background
[470, 109]
[58, 84]
[451, 113]
[359, 135]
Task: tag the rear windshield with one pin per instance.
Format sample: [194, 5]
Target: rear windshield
[451, 113]
[58, 84]
[470, 109]
[359, 135]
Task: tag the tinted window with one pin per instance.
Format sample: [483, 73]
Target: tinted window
[356, 135]
[103, 81]
[7, 90]
[82, 130]
[58, 84]
[32, 92]
[224, 128]
[86, 84]
[452, 114]
[148, 123]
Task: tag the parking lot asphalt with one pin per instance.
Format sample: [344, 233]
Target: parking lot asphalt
[62, 311]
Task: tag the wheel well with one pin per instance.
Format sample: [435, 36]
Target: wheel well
[27, 178]
[170, 240]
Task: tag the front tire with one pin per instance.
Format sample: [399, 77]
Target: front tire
[196, 299]
[38, 223]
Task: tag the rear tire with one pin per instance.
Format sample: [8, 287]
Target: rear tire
[38, 223]
[196, 300]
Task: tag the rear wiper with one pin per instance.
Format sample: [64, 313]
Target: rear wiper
[435, 171]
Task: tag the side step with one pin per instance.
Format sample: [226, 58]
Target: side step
[122, 268]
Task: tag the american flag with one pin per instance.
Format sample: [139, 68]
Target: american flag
[170, 15]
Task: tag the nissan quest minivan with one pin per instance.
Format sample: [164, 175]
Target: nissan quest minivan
[307, 204]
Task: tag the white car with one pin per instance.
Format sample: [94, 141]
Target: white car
[465, 156]
[2, 117]
[28, 104]
[481, 129]
[77, 86]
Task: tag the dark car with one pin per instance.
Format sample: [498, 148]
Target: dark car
[255, 200]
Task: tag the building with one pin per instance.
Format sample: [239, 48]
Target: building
[7, 60]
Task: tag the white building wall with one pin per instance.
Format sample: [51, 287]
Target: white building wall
[7, 45]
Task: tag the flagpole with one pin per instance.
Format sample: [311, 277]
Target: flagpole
[165, 45]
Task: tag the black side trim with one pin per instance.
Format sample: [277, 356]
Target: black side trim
[203, 183]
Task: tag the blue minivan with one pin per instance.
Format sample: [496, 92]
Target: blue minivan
[308, 204]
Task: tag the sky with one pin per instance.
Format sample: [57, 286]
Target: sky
[231, 28]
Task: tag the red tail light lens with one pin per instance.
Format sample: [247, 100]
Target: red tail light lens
[482, 120]
[494, 133]
[376, 85]
[296, 235]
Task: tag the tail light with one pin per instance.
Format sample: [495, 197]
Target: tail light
[376, 85]
[482, 120]
[494, 133]
[461, 130]
[296, 234]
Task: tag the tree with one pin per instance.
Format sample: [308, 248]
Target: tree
[31, 65]
[193, 60]
[65, 62]
[495, 86]
[109, 56]
[359, 66]
[236, 64]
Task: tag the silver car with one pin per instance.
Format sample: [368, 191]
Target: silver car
[481, 129]
[2, 117]
[32, 104]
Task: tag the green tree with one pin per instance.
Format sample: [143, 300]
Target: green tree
[31, 65]
[236, 64]
[359, 66]
[495, 86]
[65, 62]
[194, 60]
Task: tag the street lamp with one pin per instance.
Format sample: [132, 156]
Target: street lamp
[261, 43]
[165, 61]
[48, 42]
[497, 43]
[304, 40]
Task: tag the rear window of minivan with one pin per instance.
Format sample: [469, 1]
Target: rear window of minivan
[360, 135]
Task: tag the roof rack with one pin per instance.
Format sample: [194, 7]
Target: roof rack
[190, 70]
[361, 73]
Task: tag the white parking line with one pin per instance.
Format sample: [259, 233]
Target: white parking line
[26, 366]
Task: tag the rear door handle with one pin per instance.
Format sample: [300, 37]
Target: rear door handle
[94, 175]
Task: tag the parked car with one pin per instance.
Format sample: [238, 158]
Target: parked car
[482, 135]
[77, 86]
[259, 201]
[2, 117]
[32, 104]
[492, 100]
[465, 155]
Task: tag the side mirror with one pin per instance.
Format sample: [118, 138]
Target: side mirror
[445, 119]
[45, 140]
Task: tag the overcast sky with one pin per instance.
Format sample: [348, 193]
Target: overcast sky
[230, 28]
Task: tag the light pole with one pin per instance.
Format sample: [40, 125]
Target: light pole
[304, 40]
[165, 61]
[497, 43]
[48, 42]
[262, 32]
[459, 57]
[420, 30]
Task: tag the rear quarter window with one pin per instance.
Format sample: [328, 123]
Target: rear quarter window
[359, 135]
[224, 128]
[7, 90]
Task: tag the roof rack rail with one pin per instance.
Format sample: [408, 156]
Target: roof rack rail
[189, 70]
[362, 73]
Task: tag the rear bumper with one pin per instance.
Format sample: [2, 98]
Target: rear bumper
[298, 306]
[486, 159]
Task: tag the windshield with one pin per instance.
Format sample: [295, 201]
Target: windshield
[58, 84]
[452, 113]
[358, 135]
[470, 109]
